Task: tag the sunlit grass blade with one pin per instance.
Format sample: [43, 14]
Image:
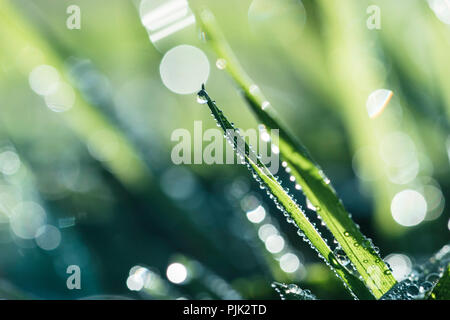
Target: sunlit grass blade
[442, 289]
[316, 187]
[283, 200]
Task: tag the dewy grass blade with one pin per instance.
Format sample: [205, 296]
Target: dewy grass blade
[442, 289]
[283, 200]
[316, 187]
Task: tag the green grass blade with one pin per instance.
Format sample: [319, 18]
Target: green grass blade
[284, 201]
[442, 289]
[316, 187]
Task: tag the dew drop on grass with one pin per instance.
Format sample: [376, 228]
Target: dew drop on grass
[412, 290]
[292, 292]
[221, 63]
[433, 277]
[309, 205]
[341, 256]
[425, 287]
[202, 100]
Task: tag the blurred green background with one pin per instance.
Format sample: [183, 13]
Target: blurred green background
[86, 176]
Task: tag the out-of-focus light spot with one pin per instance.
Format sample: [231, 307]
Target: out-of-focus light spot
[400, 264]
[408, 208]
[435, 202]
[158, 13]
[441, 9]
[274, 243]
[377, 102]
[221, 63]
[359, 159]
[62, 99]
[48, 237]
[403, 174]
[249, 202]
[7, 203]
[102, 145]
[163, 18]
[9, 162]
[135, 282]
[26, 219]
[44, 80]
[289, 262]
[184, 69]
[266, 231]
[176, 273]
[257, 215]
[178, 183]
[448, 224]
[138, 278]
[397, 149]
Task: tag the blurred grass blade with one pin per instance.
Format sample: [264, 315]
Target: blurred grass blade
[283, 200]
[316, 187]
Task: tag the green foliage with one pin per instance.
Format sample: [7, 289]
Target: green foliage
[282, 198]
[441, 290]
[316, 187]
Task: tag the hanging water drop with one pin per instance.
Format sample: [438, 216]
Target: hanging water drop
[202, 100]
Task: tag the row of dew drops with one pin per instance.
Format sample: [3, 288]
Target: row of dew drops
[245, 155]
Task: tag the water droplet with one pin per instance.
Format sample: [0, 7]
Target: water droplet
[309, 205]
[221, 63]
[202, 100]
[412, 290]
[426, 286]
[432, 277]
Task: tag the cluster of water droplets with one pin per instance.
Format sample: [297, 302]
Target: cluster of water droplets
[251, 160]
[339, 253]
[421, 281]
[292, 292]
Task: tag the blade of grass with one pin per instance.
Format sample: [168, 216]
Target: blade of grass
[316, 187]
[442, 289]
[284, 201]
